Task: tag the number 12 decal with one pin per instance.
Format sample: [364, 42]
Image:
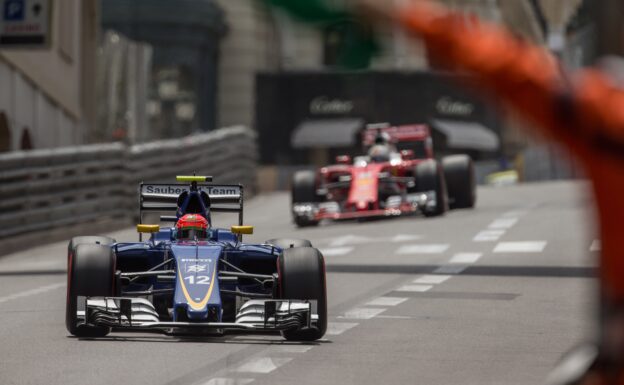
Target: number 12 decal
[198, 280]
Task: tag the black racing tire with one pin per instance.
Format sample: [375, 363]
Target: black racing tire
[304, 222]
[91, 272]
[459, 174]
[304, 187]
[286, 243]
[302, 277]
[303, 190]
[90, 239]
[429, 177]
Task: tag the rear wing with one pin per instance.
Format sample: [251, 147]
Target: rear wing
[406, 133]
[163, 197]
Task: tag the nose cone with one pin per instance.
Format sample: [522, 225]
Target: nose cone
[197, 314]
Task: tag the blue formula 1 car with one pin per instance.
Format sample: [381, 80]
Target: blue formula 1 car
[192, 278]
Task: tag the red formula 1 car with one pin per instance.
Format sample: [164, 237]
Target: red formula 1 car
[386, 181]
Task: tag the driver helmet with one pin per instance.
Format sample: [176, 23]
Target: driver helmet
[192, 226]
[380, 153]
[382, 138]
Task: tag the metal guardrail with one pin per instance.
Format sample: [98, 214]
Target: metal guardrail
[45, 189]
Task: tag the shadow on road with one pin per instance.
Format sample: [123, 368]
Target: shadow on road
[485, 270]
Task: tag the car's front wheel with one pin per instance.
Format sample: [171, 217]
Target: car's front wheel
[302, 277]
[90, 273]
[304, 193]
[286, 243]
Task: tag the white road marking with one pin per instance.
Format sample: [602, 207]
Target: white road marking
[349, 239]
[252, 337]
[415, 288]
[488, 235]
[520, 247]
[450, 269]
[431, 279]
[503, 223]
[294, 348]
[423, 249]
[262, 365]
[335, 251]
[36, 291]
[337, 328]
[405, 238]
[395, 317]
[362, 313]
[386, 301]
[465, 257]
[229, 381]
[595, 246]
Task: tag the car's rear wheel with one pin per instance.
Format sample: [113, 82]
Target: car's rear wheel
[429, 178]
[90, 273]
[303, 191]
[302, 277]
[459, 174]
[286, 243]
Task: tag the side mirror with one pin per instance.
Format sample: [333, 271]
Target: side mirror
[242, 229]
[148, 228]
[343, 159]
[407, 154]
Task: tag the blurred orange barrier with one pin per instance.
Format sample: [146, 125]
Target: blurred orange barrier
[585, 113]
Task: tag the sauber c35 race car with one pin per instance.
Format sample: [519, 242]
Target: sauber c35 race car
[385, 182]
[192, 278]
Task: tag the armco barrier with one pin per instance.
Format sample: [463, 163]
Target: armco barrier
[46, 189]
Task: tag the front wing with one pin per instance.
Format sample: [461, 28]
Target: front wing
[396, 206]
[138, 314]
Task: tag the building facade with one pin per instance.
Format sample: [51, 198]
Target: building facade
[47, 96]
[264, 40]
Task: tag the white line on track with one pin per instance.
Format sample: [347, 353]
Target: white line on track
[229, 381]
[423, 249]
[405, 238]
[262, 365]
[294, 348]
[337, 328]
[386, 301]
[36, 291]
[395, 317]
[450, 269]
[520, 247]
[595, 246]
[415, 288]
[362, 313]
[488, 235]
[335, 251]
[431, 279]
[503, 223]
[465, 258]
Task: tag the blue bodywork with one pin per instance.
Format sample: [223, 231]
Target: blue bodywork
[195, 292]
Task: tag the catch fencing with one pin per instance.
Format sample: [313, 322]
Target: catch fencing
[46, 189]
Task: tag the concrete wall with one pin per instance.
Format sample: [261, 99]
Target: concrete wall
[249, 46]
[50, 91]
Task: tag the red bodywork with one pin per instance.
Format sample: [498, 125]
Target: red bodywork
[355, 187]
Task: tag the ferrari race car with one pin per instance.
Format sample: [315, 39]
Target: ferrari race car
[192, 278]
[387, 181]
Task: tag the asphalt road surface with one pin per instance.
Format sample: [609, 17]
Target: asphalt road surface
[493, 295]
